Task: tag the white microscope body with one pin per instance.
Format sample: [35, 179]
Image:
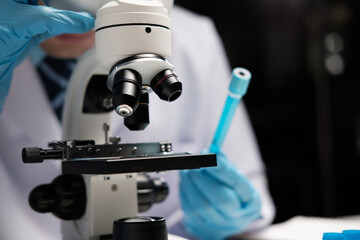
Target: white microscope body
[130, 35]
[100, 186]
[123, 29]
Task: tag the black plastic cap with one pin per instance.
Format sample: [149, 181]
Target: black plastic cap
[31, 155]
[166, 85]
[140, 228]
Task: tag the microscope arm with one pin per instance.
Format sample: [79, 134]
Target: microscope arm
[79, 124]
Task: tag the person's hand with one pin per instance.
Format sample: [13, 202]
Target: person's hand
[218, 202]
[24, 26]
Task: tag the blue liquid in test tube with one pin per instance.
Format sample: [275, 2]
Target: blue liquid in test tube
[351, 234]
[333, 236]
[238, 86]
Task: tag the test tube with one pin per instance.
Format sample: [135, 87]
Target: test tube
[351, 234]
[333, 236]
[237, 89]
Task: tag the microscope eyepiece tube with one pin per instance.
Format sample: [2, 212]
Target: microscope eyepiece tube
[126, 91]
[166, 85]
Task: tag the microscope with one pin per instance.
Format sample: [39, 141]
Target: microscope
[104, 184]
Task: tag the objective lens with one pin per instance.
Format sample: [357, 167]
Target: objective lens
[139, 120]
[166, 85]
[126, 91]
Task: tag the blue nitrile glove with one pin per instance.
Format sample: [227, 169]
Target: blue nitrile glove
[24, 26]
[218, 202]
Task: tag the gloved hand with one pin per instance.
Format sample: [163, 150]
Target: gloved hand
[218, 202]
[24, 26]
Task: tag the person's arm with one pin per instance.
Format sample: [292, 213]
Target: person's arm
[207, 62]
[24, 25]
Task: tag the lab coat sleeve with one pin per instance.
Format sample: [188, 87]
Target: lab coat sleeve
[27, 121]
[204, 57]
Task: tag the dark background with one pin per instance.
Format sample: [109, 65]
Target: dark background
[306, 114]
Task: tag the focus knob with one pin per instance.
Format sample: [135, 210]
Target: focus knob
[65, 197]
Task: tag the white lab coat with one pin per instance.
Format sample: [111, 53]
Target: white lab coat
[189, 123]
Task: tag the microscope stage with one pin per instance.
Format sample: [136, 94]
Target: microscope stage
[154, 163]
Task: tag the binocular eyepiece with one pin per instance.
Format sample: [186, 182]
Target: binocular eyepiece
[128, 86]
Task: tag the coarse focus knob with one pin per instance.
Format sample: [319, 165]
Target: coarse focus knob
[42, 199]
[65, 197]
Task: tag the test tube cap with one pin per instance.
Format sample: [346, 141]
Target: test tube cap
[333, 236]
[240, 81]
[351, 234]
